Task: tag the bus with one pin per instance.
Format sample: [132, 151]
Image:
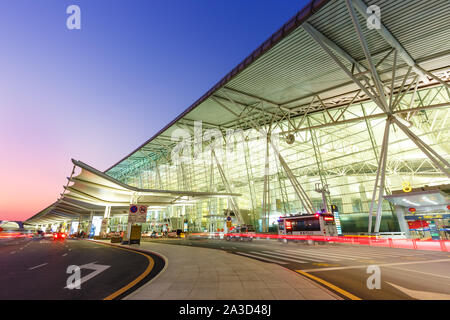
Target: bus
[319, 224]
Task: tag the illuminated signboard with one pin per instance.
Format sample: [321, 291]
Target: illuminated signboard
[288, 225]
[337, 220]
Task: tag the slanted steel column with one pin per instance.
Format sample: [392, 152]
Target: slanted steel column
[389, 38]
[283, 191]
[435, 157]
[381, 175]
[322, 176]
[249, 176]
[303, 197]
[266, 189]
[227, 186]
[376, 78]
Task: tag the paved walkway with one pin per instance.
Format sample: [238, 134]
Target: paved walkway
[200, 274]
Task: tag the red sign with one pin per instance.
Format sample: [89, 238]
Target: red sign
[288, 225]
[417, 224]
[143, 209]
[412, 209]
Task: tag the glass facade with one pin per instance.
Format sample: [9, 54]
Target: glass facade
[339, 147]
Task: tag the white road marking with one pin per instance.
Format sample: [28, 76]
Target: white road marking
[65, 254]
[261, 258]
[12, 252]
[41, 265]
[374, 254]
[379, 265]
[422, 272]
[282, 258]
[351, 254]
[293, 255]
[421, 295]
[329, 256]
[366, 254]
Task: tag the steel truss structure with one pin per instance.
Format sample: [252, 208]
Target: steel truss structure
[361, 110]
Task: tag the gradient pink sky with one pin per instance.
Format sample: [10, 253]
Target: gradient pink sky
[97, 93]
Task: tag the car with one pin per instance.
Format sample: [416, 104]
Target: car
[59, 236]
[241, 233]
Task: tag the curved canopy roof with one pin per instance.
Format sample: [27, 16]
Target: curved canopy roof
[92, 191]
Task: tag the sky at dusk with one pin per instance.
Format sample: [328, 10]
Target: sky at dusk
[98, 93]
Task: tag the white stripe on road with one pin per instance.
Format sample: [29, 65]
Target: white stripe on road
[41, 265]
[427, 273]
[355, 254]
[261, 258]
[293, 255]
[374, 253]
[13, 252]
[65, 254]
[328, 256]
[347, 254]
[282, 258]
[379, 265]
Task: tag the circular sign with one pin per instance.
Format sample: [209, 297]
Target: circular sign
[228, 218]
[142, 209]
[133, 209]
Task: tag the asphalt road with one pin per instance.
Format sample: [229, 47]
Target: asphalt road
[37, 269]
[404, 274]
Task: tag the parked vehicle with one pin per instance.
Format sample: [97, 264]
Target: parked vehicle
[241, 233]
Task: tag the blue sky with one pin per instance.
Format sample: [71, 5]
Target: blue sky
[97, 93]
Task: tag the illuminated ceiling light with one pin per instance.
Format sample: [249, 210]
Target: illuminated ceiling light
[410, 202]
[430, 201]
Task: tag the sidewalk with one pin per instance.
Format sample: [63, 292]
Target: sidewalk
[199, 274]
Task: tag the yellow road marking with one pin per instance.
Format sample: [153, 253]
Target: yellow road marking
[367, 261]
[414, 258]
[149, 268]
[319, 264]
[329, 285]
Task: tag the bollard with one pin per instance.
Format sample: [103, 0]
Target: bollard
[443, 247]
[414, 244]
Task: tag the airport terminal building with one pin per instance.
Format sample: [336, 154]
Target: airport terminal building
[337, 109]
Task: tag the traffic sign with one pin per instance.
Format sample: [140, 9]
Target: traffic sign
[133, 208]
[143, 209]
[138, 214]
[228, 218]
